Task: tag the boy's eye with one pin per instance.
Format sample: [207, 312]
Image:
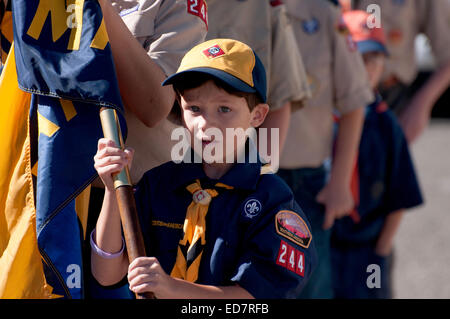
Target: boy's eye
[224, 109]
[195, 108]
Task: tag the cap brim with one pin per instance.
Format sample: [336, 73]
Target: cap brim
[371, 46]
[223, 76]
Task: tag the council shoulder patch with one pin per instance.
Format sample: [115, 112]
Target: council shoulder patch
[291, 226]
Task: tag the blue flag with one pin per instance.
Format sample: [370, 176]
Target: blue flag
[64, 59]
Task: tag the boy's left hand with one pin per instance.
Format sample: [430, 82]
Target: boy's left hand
[145, 274]
[338, 202]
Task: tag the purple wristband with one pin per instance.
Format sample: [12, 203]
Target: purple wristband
[103, 253]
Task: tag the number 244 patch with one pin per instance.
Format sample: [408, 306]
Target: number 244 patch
[291, 258]
[199, 9]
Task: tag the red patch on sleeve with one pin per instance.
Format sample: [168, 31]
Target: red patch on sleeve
[199, 9]
[275, 3]
[291, 259]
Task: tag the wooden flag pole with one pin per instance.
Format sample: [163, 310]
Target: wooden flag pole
[134, 240]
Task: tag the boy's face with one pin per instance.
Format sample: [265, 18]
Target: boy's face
[374, 62]
[208, 109]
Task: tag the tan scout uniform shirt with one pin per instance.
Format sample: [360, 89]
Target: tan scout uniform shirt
[337, 77]
[167, 29]
[402, 21]
[264, 27]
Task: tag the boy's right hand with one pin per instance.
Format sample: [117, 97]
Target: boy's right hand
[110, 160]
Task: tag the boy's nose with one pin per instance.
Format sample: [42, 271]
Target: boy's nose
[204, 123]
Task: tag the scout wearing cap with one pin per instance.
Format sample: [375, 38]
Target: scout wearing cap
[263, 26]
[244, 228]
[338, 83]
[385, 182]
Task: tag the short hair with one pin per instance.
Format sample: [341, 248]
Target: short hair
[192, 80]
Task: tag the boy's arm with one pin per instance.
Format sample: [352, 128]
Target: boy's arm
[433, 18]
[336, 195]
[416, 115]
[386, 237]
[139, 77]
[145, 274]
[108, 231]
[109, 239]
[351, 93]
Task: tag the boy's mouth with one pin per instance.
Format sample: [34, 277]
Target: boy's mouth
[207, 141]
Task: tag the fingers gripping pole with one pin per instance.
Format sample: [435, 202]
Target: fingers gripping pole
[124, 192]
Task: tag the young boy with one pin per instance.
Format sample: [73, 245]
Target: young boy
[214, 229]
[385, 183]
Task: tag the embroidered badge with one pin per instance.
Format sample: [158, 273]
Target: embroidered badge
[199, 9]
[291, 258]
[252, 208]
[213, 52]
[311, 26]
[291, 226]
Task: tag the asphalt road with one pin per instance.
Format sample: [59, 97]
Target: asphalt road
[422, 246]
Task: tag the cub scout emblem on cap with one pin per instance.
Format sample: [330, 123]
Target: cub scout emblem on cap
[291, 226]
[213, 52]
[201, 196]
[252, 208]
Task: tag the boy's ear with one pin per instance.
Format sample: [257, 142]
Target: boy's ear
[259, 114]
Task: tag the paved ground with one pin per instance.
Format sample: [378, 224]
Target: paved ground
[422, 265]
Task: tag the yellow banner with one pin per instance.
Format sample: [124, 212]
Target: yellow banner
[21, 270]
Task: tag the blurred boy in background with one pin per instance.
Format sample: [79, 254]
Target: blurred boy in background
[384, 183]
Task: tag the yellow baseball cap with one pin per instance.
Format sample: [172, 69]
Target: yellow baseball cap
[230, 61]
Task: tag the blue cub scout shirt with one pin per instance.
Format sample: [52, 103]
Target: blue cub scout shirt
[256, 234]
